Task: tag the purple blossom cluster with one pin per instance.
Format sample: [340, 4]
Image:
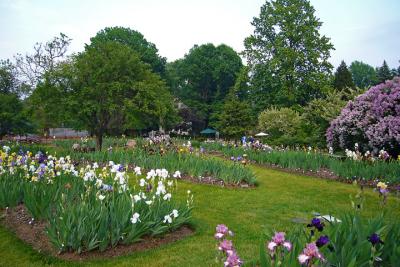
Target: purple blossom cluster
[372, 120]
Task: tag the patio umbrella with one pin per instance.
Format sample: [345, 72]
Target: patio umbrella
[261, 134]
[208, 131]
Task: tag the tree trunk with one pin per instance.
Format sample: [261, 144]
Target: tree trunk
[99, 141]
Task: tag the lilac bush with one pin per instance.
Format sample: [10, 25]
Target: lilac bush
[372, 120]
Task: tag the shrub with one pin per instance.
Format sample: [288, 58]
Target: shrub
[282, 124]
[372, 120]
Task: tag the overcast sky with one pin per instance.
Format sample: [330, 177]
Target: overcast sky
[366, 30]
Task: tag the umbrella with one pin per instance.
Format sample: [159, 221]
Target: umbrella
[261, 134]
[208, 131]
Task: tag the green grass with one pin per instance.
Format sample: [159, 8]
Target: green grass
[278, 199]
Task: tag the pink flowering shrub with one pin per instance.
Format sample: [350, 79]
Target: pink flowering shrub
[372, 120]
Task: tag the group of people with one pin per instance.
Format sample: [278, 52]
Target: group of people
[253, 143]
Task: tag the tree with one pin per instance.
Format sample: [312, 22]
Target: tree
[343, 78]
[398, 71]
[8, 78]
[32, 68]
[147, 51]
[202, 79]
[363, 74]
[12, 118]
[235, 118]
[384, 73]
[47, 104]
[286, 54]
[114, 90]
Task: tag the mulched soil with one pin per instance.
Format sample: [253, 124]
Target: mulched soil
[33, 233]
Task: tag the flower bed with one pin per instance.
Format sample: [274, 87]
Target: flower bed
[314, 162]
[194, 165]
[90, 208]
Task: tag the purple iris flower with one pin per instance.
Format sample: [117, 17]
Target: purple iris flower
[322, 241]
[106, 187]
[233, 260]
[239, 158]
[384, 191]
[375, 239]
[121, 168]
[42, 157]
[315, 222]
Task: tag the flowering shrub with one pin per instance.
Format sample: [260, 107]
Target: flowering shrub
[91, 207]
[372, 120]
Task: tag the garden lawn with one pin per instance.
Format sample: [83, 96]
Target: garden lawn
[279, 198]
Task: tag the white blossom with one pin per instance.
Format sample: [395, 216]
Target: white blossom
[135, 218]
[177, 174]
[167, 219]
[167, 196]
[175, 213]
[137, 171]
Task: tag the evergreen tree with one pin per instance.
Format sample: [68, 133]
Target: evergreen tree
[398, 70]
[343, 78]
[384, 73]
[235, 118]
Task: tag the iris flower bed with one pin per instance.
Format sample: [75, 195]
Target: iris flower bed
[350, 241]
[90, 207]
[388, 171]
[191, 164]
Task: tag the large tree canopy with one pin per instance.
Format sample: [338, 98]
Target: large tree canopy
[204, 76]
[114, 90]
[363, 74]
[147, 51]
[286, 54]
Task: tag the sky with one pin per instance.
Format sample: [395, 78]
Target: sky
[366, 30]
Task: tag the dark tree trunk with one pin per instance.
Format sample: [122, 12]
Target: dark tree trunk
[99, 141]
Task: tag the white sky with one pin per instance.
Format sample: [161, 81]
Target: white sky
[366, 30]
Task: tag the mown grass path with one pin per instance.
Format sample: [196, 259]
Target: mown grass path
[278, 199]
